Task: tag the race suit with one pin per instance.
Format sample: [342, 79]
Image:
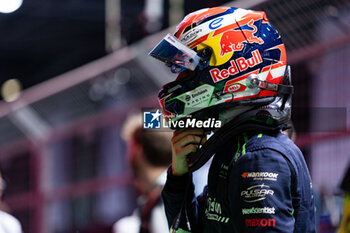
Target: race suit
[260, 184]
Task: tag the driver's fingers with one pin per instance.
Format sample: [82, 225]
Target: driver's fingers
[188, 139]
[178, 135]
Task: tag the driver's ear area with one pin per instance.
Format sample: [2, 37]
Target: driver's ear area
[184, 75]
[205, 55]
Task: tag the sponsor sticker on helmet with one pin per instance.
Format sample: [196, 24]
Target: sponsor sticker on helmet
[191, 35]
[237, 65]
[235, 87]
[216, 23]
[198, 97]
[234, 39]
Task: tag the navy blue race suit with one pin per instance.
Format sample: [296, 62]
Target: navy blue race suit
[259, 183]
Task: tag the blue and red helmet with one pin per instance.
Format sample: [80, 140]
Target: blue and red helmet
[225, 57]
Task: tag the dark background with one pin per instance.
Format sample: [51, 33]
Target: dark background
[45, 38]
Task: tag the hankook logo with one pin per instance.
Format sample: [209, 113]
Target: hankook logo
[260, 175]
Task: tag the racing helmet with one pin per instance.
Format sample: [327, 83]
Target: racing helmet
[225, 57]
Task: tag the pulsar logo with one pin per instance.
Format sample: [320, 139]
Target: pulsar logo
[215, 23]
[238, 65]
[256, 193]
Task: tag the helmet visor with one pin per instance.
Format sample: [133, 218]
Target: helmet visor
[171, 50]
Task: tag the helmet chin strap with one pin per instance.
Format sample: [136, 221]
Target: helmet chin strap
[229, 114]
[268, 117]
[253, 120]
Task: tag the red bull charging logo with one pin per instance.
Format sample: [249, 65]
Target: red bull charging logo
[232, 40]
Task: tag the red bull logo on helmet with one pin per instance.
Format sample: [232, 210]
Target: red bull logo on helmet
[232, 40]
[237, 65]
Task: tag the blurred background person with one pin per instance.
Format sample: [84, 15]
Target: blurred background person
[8, 223]
[149, 155]
[345, 186]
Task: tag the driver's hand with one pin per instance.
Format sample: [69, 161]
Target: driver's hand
[185, 142]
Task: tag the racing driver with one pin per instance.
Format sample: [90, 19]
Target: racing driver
[232, 67]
